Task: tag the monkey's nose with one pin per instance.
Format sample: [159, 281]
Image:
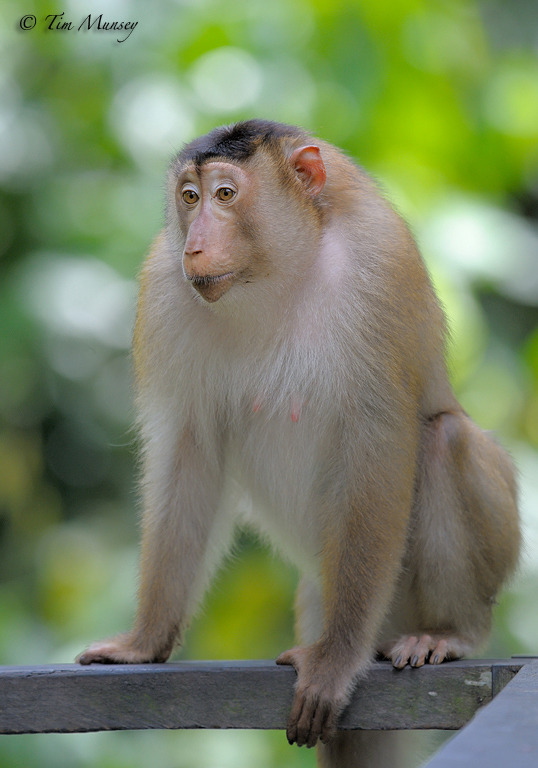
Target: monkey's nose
[193, 259]
[192, 252]
[196, 263]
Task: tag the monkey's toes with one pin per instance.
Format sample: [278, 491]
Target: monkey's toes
[417, 650]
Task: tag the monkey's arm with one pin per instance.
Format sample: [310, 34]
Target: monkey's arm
[361, 558]
[181, 487]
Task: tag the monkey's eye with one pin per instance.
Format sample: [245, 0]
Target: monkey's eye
[225, 194]
[189, 196]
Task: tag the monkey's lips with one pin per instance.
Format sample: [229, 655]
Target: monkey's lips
[211, 287]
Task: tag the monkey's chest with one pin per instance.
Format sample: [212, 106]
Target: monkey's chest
[282, 457]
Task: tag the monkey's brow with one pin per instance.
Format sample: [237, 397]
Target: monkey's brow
[188, 169]
[199, 163]
[196, 169]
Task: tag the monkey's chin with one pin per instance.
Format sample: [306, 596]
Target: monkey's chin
[210, 287]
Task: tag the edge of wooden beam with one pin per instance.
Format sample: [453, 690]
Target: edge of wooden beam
[69, 698]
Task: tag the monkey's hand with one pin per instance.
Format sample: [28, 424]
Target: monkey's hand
[122, 649]
[321, 693]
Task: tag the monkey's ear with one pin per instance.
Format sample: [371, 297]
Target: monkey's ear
[309, 167]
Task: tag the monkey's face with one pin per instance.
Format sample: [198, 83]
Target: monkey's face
[214, 202]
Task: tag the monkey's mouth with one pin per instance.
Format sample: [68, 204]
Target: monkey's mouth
[205, 281]
[211, 287]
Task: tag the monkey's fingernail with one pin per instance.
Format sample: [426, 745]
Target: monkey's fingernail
[414, 661]
[398, 661]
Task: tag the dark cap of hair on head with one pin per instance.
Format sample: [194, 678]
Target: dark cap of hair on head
[239, 141]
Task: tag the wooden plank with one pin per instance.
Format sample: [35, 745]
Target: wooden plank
[505, 733]
[243, 694]
[71, 698]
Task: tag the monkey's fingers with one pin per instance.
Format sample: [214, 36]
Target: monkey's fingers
[93, 658]
[291, 658]
[288, 657]
[312, 718]
[320, 716]
[305, 724]
[327, 722]
[318, 700]
[293, 720]
[310, 722]
[118, 651]
[105, 655]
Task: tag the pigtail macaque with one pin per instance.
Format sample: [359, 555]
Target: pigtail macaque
[289, 344]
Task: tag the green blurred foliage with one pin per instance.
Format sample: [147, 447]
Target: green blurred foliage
[439, 100]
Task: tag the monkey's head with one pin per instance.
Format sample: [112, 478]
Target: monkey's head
[243, 204]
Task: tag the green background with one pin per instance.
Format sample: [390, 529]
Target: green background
[438, 99]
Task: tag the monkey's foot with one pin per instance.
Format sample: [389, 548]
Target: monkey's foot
[416, 650]
[119, 650]
[321, 693]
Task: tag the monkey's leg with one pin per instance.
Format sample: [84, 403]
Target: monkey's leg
[464, 542]
[181, 543]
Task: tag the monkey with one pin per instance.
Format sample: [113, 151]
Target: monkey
[289, 349]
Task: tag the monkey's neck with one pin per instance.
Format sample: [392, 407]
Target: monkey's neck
[300, 292]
